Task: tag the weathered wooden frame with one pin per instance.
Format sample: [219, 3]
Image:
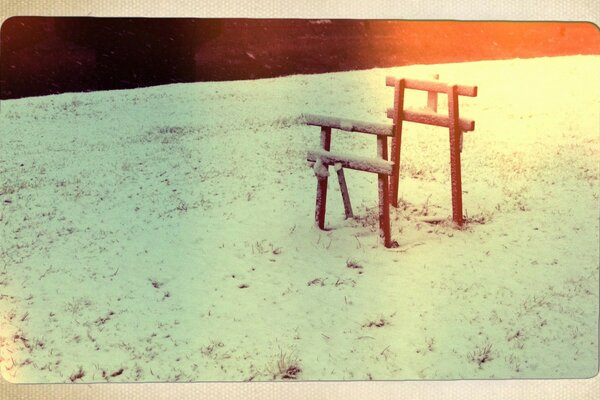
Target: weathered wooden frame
[384, 168]
[429, 116]
[380, 166]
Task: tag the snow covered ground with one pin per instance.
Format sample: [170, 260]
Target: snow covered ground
[166, 233]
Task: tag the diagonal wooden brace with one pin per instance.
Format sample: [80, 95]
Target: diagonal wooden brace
[344, 190]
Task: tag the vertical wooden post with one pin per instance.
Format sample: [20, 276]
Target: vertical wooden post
[384, 198]
[455, 145]
[322, 182]
[344, 189]
[397, 139]
[432, 97]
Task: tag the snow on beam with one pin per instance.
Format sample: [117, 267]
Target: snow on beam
[348, 125]
[428, 86]
[353, 162]
[432, 118]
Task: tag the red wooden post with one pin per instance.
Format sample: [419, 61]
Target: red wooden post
[432, 97]
[455, 134]
[384, 211]
[322, 182]
[397, 139]
[384, 150]
[384, 198]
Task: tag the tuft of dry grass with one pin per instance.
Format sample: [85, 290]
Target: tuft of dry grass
[287, 366]
[77, 375]
[77, 305]
[378, 323]
[481, 218]
[531, 303]
[317, 282]
[481, 355]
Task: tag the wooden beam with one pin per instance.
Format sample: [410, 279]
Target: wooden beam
[439, 87]
[384, 197]
[348, 125]
[326, 138]
[321, 201]
[431, 118]
[455, 173]
[376, 166]
[432, 97]
[398, 117]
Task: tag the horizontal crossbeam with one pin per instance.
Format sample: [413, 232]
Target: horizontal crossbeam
[349, 125]
[432, 118]
[376, 166]
[428, 86]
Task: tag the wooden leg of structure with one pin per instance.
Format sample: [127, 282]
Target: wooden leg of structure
[384, 197]
[455, 145]
[322, 182]
[344, 190]
[432, 97]
[384, 211]
[397, 139]
[321, 201]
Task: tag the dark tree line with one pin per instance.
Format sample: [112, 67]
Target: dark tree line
[128, 52]
[134, 51]
[45, 55]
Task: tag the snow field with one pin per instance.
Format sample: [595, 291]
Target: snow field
[166, 233]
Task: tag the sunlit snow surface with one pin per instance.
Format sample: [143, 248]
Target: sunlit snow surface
[167, 233]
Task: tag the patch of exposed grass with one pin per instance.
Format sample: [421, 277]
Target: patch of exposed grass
[287, 366]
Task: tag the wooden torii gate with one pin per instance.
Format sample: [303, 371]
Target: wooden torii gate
[388, 190]
[429, 116]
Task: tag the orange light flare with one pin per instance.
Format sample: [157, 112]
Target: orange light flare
[395, 43]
